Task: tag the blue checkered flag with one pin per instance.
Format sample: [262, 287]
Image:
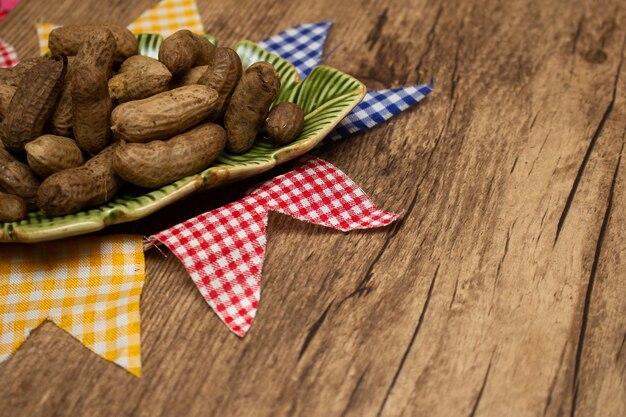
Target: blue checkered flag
[301, 45]
[379, 106]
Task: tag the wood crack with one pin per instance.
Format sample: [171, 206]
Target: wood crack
[555, 378]
[374, 35]
[420, 320]
[356, 388]
[532, 166]
[506, 250]
[592, 143]
[592, 278]
[429, 39]
[313, 331]
[482, 389]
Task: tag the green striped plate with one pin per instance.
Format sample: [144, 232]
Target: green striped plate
[327, 95]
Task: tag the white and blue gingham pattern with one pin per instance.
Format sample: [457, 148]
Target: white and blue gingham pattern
[301, 45]
[378, 107]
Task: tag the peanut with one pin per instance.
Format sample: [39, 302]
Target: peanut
[222, 75]
[157, 163]
[90, 92]
[49, 154]
[16, 177]
[284, 123]
[163, 115]
[67, 40]
[32, 103]
[60, 122]
[139, 77]
[191, 77]
[71, 190]
[6, 93]
[185, 49]
[12, 208]
[249, 104]
[13, 76]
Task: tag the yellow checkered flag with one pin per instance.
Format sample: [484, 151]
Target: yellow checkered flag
[88, 287]
[165, 18]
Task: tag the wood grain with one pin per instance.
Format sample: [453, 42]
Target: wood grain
[503, 290]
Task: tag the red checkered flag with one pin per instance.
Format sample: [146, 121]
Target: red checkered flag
[223, 250]
[8, 56]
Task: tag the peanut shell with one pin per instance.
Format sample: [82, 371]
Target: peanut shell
[73, 189]
[163, 115]
[139, 77]
[184, 49]
[191, 77]
[222, 74]
[67, 40]
[158, 163]
[49, 154]
[12, 208]
[249, 104]
[91, 102]
[32, 103]
[16, 177]
[6, 94]
[284, 123]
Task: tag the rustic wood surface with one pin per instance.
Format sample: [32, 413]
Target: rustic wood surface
[502, 292]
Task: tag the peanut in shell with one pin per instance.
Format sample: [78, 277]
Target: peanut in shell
[184, 49]
[12, 208]
[139, 77]
[49, 154]
[71, 190]
[163, 115]
[67, 40]
[249, 104]
[32, 103]
[284, 123]
[222, 74]
[157, 163]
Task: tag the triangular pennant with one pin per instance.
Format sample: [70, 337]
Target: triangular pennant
[88, 287]
[43, 32]
[167, 17]
[379, 106]
[223, 250]
[301, 45]
[6, 6]
[8, 55]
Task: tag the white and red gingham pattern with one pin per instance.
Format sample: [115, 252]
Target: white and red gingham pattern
[223, 250]
[8, 56]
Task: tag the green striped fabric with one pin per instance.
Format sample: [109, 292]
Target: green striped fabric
[327, 95]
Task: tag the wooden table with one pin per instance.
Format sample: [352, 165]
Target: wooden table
[503, 290]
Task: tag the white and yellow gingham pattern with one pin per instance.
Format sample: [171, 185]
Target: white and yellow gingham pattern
[88, 287]
[165, 18]
[43, 32]
[169, 16]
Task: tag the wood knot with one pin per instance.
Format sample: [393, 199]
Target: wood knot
[595, 56]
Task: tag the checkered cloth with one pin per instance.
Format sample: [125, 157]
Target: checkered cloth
[88, 287]
[302, 45]
[223, 250]
[165, 18]
[377, 107]
[8, 56]
[6, 6]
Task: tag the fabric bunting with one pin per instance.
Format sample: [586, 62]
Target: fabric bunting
[90, 287]
[301, 45]
[8, 55]
[223, 250]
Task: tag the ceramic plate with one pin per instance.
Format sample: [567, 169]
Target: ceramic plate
[327, 95]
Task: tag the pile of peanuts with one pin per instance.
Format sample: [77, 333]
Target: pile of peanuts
[79, 124]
